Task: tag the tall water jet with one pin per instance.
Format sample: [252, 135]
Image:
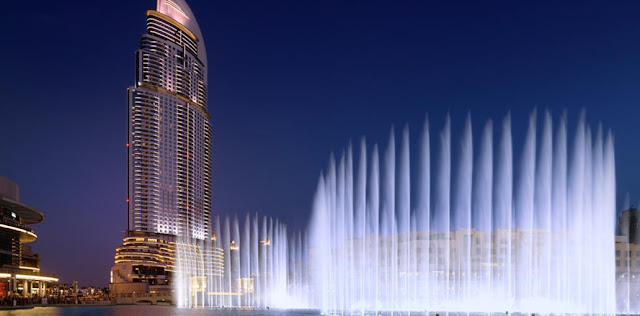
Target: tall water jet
[524, 212]
[441, 219]
[483, 204]
[503, 197]
[423, 218]
[462, 211]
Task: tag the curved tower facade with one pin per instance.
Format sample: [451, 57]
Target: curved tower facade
[169, 141]
[169, 151]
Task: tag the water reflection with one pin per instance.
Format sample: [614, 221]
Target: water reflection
[137, 310]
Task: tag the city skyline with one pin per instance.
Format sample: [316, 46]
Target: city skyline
[274, 118]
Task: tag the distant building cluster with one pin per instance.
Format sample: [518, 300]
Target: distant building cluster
[63, 293]
[628, 258]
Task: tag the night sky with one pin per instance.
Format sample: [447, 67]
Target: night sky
[290, 82]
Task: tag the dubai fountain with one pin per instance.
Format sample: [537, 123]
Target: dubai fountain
[485, 230]
[480, 226]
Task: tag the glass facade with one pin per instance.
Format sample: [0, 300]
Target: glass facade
[169, 133]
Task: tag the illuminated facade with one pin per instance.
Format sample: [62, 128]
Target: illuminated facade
[169, 131]
[19, 266]
[169, 150]
[147, 262]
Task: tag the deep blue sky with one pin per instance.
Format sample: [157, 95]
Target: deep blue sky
[289, 82]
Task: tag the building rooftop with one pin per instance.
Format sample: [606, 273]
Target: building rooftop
[180, 11]
[9, 199]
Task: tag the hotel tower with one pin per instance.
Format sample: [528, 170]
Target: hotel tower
[169, 149]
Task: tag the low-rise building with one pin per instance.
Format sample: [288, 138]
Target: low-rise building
[146, 262]
[19, 267]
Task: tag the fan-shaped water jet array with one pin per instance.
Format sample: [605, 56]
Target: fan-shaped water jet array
[488, 231]
[476, 225]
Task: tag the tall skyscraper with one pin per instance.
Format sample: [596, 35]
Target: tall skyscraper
[169, 129]
[169, 148]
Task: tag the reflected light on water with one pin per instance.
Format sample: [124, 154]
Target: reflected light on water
[138, 310]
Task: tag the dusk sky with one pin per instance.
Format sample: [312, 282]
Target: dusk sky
[290, 82]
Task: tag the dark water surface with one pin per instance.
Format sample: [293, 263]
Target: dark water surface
[144, 310]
